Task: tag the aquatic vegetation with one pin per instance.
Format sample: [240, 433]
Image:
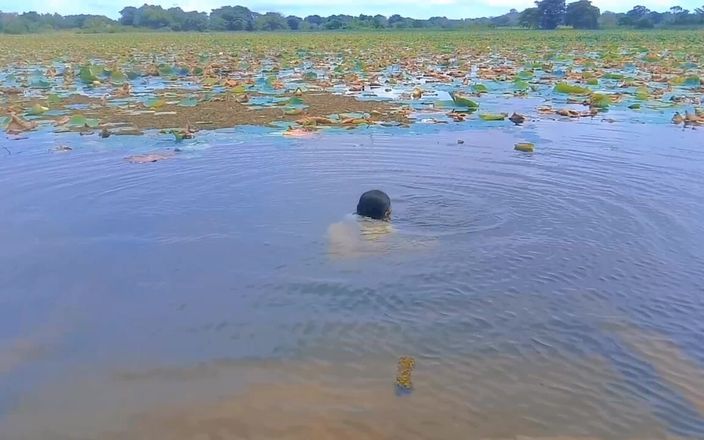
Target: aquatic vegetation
[493, 116]
[404, 383]
[209, 81]
[525, 147]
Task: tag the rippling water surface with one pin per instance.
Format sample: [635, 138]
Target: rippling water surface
[228, 293]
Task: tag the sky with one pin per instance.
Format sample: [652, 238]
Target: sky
[407, 8]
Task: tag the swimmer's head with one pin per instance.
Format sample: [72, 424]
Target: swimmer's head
[374, 204]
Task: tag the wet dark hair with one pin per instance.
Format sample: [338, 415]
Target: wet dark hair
[374, 204]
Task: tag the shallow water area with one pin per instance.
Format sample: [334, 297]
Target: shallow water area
[547, 295]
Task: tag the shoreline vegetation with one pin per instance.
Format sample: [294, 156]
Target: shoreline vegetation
[547, 14]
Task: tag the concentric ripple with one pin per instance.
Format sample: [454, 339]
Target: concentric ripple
[548, 295]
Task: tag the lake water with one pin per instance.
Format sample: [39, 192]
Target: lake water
[549, 295]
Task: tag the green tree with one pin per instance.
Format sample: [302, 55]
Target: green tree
[380, 21]
[294, 23]
[314, 21]
[271, 21]
[582, 15]
[529, 18]
[231, 18]
[552, 13]
[127, 16]
[634, 16]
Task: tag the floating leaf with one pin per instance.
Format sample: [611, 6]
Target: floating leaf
[634, 106]
[525, 147]
[155, 102]
[519, 84]
[492, 116]
[82, 121]
[571, 89]
[480, 88]
[310, 76]
[190, 101]
[89, 74]
[53, 99]
[238, 90]
[165, 70]
[612, 75]
[464, 101]
[37, 109]
[117, 77]
[593, 82]
[525, 74]
[39, 82]
[692, 81]
[600, 100]
[642, 93]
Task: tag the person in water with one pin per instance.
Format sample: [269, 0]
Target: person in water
[366, 232]
[375, 204]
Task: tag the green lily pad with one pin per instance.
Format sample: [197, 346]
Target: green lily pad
[464, 101]
[238, 90]
[82, 121]
[520, 84]
[53, 99]
[190, 101]
[600, 101]
[692, 81]
[571, 89]
[37, 109]
[642, 93]
[155, 102]
[40, 83]
[634, 106]
[117, 76]
[480, 88]
[165, 70]
[89, 73]
[492, 116]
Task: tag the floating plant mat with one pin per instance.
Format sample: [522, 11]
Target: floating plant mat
[173, 80]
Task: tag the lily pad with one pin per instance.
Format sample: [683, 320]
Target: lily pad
[89, 73]
[480, 88]
[464, 101]
[492, 116]
[600, 101]
[571, 89]
[155, 102]
[82, 121]
[190, 101]
[642, 93]
[53, 99]
[37, 109]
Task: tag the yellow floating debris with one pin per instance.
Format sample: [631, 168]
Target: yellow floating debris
[525, 147]
[406, 364]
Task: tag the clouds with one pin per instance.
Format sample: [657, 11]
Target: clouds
[412, 8]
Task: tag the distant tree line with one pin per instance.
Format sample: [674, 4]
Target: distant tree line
[547, 14]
